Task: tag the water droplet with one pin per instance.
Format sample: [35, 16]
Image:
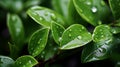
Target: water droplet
[30, 62]
[18, 30]
[53, 16]
[79, 37]
[82, 27]
[41, 18]
[70, 30]
[102, 36]
[69, 35]
[94, 9]
[88, 3]
[60, 38]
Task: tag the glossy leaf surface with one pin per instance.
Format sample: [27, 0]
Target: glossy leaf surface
[75, 36]
[38, 41]
[93, 11]
[100, 49]
[50, 50]
[57, 31]
[6, 61]
[25, 61]
[16, 29]
[44, 16]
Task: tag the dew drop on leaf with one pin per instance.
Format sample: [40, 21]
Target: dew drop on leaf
[79, 37]
[53, 16]
[94, 9]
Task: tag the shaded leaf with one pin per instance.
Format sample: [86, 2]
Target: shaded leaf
[73, 16]
[38, 41]
[93, 11]
[16, 29]
[100, 49]
[6, 61]
[57, 31]
[61, 6]
[14, 51]
[50, 50]
[25, 61]
[115, 6]
[115, 30]
[44, 16]
[75, 36]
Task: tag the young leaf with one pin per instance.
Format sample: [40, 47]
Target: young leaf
[16, 29]
[44, 16]
[93, 11]
[6, 61]
[38, 41]
[115, 8]
[57, 31]
[25, 61]
[75, 36]
[100, 49]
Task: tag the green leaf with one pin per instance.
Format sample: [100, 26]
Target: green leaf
[12, 5]
[75, 36]
[61, 6]
[44, 16]
[16, 29]
[73, 16]
[6, 61]
[38, 41]
[102, 33]
[100, 49]
[93, 11]
[14, 51]
[25, 61]
[30, 3]
[115, 6]
[57, 31]
[50, 50]
[115, 30]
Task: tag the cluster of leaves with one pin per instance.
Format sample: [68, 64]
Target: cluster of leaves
[72, 24]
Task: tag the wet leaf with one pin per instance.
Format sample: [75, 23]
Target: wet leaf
[44, 16]
[38, 41]
[6, 61]
[93, 11]
[115, 6]
[75, 36]
[25, 61]
[57, 31]
[100, 49]
[50, 50]
[16, 29]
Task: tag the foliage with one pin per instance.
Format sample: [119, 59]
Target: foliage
[42, 32]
